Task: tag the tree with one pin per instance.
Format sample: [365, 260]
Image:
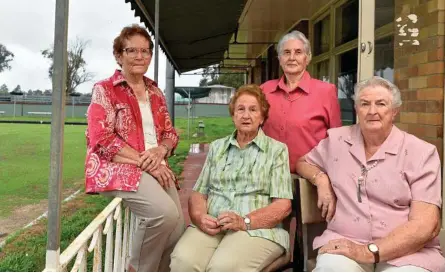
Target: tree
[6, 56]
[17, 89]
[4, 89]
[76, 73]
[47, 92]
[37, 92]
[212, 76]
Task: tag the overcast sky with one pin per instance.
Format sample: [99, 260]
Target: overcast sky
[27, 27]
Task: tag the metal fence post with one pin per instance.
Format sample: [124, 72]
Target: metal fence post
[57, 123]
[170, 90]
[156, 40]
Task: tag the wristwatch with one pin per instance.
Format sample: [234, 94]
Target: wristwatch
[247, 222]
[375, 251]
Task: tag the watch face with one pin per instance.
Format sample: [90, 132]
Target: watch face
[246, 220]
[373, 248]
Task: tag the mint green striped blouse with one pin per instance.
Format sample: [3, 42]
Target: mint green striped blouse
[244, 180]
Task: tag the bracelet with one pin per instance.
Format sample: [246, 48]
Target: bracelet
[166, 147]
[315, 177]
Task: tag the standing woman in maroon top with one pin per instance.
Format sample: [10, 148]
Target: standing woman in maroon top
[302, 109]
[129, 137]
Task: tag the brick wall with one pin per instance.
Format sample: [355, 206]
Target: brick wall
[420, 69]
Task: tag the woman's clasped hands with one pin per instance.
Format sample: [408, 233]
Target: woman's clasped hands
[152, 162]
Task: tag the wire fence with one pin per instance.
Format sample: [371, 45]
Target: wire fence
[43, 99]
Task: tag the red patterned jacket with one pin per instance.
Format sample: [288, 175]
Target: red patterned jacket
[114, 119]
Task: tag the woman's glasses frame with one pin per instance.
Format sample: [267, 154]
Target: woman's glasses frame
[133, 52]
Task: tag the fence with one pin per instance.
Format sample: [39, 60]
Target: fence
[43, 99]
[117, 242]
[79, 110]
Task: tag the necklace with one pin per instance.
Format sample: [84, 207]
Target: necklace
[362, 179]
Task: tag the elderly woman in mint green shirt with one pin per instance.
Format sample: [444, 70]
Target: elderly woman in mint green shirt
[241, 197]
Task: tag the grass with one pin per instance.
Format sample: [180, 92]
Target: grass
[24, 161]
[26, 157]
[26, 250]
[25, 154]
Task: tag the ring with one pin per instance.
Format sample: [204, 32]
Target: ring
[336, 247]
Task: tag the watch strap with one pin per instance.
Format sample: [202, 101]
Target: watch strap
[375, 253]
[247, 222]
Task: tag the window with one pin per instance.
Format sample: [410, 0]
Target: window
[346, 22]
[346, 80]
[322, 71]
[384, 58]
[384, 12]
[321, 36]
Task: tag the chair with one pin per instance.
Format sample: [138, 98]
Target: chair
[309, 224]
[313, 224]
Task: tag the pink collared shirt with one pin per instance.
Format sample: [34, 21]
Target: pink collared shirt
[408, 169]
[301, 117]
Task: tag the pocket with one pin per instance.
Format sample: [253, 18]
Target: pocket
[392, 187]
[142, 222]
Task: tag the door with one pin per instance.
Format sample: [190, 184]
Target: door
[366, 42]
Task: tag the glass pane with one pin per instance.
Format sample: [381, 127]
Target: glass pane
[346, 79]
[384, 58]
[384, 12]
[322, 71]
[321, 36]
[346, 22]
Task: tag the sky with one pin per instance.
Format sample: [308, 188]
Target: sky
[27, 28]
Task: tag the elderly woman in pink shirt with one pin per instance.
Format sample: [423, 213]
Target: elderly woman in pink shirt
[302, 108]
[388, 189]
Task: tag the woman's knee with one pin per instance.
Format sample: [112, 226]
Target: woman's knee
[162, 216]
[184, 259]
[222, 264]
[337, 263]
[170, 217]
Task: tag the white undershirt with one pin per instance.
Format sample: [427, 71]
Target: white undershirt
[148, 126]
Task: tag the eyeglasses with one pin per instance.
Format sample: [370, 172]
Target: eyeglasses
[133, 52]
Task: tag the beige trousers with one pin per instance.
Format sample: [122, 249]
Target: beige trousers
[159, 224]
[232, 251]
[338, 263]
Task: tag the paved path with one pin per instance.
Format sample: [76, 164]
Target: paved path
[192, 168]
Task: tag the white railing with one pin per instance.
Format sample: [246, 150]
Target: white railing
[117, 246]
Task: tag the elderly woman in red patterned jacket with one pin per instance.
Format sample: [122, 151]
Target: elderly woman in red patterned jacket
[129, 137]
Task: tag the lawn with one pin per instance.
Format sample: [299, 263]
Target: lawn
[25, 154]
[24, 161]
[25, 150]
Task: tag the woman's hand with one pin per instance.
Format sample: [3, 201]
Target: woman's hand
[152, 158]
[231, 221]
[165, 176]
[209, 225]
[356, 252]
[327, 200]
[124, 160]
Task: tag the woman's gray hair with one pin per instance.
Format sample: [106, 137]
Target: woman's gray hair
[379, 81]
[295, 35]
